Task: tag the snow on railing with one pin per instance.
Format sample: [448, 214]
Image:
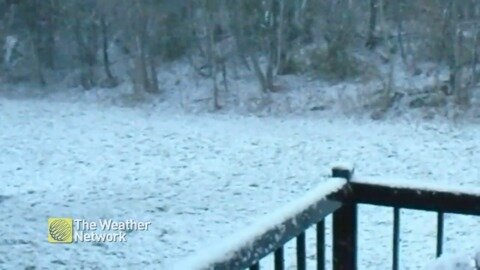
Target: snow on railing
[270, 232]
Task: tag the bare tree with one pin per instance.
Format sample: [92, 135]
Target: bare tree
[85, 29]
[30, 12]
[143, 68]
[372, 24]
[104, 7]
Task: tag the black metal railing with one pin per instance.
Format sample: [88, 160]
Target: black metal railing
[342, 204]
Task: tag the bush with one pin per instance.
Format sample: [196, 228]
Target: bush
[335, 64]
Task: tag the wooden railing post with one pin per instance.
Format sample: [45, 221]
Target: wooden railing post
[345, 227]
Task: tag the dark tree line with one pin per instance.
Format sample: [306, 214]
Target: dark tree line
[269, 38]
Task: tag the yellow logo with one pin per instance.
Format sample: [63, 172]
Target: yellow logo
[60, 230]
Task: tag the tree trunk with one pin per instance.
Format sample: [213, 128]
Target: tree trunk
[212, 53]
[153, 76]
[371, 39]
[449, 34]
[461, 90]
[50, 29]
[140, 68]
[475, 56]
[38, 69]
[259, 73]
[223, 67]
[106, 60]
[398, 16]
[280, 38]
[273, 45]
[238, 33]
[86, 40]
[390, 84]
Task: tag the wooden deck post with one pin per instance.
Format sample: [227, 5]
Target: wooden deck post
[345, 227]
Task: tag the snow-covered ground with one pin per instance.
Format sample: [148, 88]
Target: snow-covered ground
[202, 178]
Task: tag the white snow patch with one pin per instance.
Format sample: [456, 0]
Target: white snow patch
[452, 262]
[199, 178]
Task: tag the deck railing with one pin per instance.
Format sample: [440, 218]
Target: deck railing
[341, 203]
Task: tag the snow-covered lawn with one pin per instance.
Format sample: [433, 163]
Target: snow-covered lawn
[200, 179]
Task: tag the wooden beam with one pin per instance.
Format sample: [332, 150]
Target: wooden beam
[414, 198]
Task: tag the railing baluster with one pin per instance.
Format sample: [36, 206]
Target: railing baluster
[396, 237]
[256, 266]
[321, 245]
[301, 250]
[439, 233]
[278, 258]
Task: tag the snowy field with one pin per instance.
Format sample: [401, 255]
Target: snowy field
[201, 178]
